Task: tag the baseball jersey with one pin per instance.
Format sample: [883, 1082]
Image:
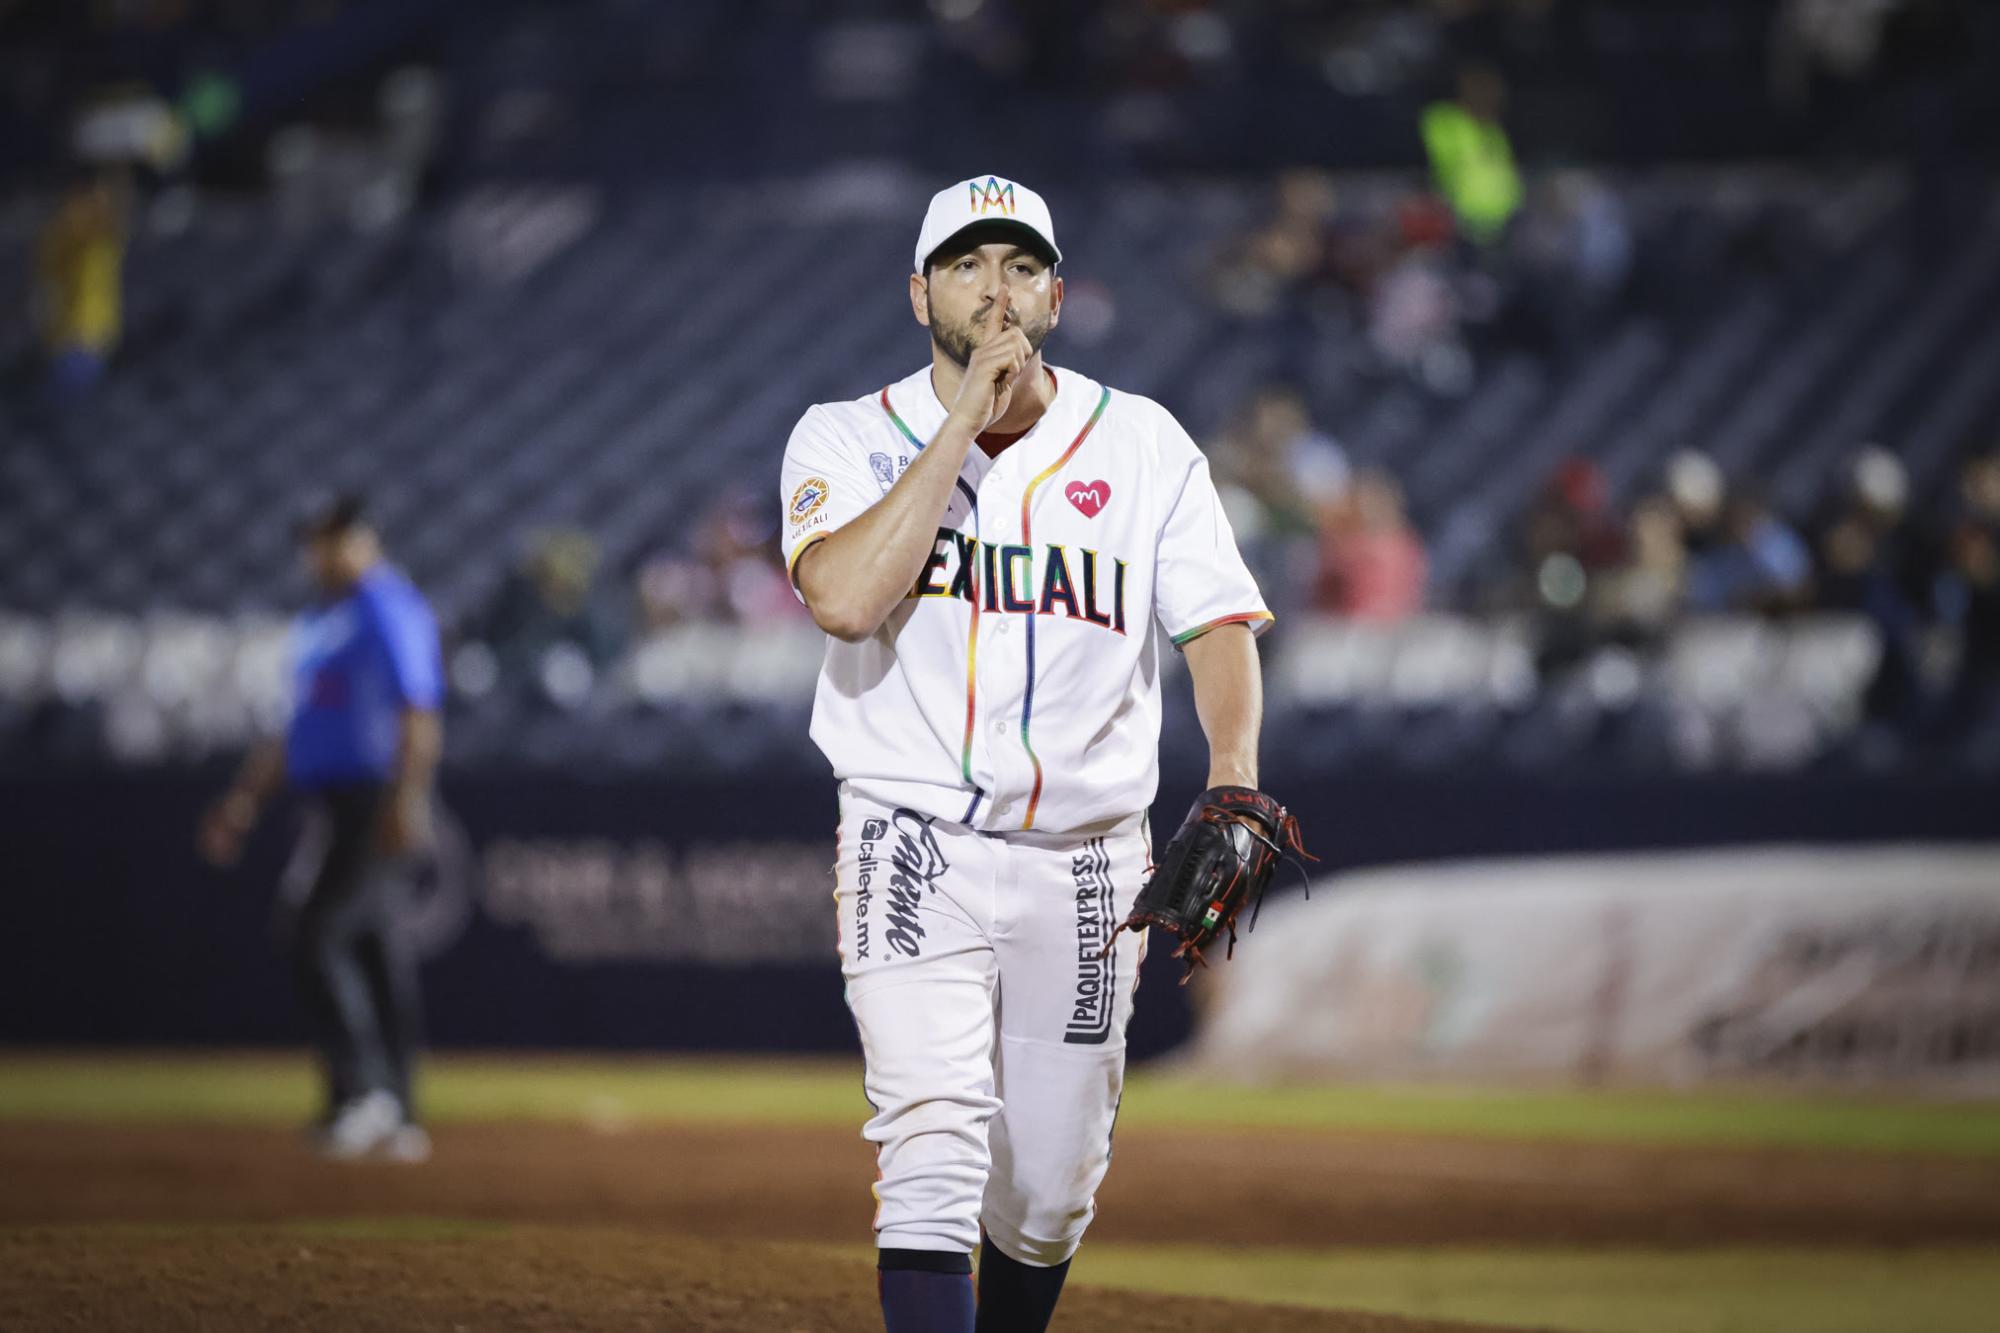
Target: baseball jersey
[1017, 685]
[358, 663]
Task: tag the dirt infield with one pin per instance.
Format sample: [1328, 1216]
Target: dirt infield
[517, 1278]
[522, 1225]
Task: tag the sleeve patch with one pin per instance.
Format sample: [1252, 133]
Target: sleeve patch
[806, 500]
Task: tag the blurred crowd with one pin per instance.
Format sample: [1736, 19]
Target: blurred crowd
[1329, 539]
[1927, 580]
[1591, 573]
[561, 621]
[1486, 242]
[1431, 278]
[1480, 257]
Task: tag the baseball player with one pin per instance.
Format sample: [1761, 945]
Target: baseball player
[362, 745]
[991, 543]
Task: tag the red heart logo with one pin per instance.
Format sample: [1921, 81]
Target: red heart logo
[1089, 496]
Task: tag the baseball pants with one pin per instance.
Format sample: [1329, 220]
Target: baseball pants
[994, 1033]
[355, 972]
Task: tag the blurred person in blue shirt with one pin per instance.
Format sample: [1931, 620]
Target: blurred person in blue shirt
[361, 745]
[1760, 565]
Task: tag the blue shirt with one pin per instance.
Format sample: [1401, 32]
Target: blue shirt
[1770, 558]
[359, 662]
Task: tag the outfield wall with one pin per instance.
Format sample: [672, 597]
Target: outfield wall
[668, 914]
[1868, 966]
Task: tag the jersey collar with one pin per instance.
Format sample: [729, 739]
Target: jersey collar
[915, 403]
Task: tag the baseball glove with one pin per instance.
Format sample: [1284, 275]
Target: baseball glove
[1223, 856]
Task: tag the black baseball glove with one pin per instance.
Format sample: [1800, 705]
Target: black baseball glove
[1223, 856]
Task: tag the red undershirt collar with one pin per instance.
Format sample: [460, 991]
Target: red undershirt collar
[993, 442]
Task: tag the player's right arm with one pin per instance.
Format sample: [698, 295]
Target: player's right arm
[228, 822]
[853, 577]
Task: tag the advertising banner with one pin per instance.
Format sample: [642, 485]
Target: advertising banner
[1869, 966]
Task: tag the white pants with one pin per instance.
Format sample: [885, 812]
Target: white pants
[994, 1034]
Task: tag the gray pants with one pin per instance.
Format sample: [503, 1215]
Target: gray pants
[355, 970]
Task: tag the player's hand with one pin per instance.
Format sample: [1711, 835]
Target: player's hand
[224, 828]
[988, 386]
[405, 826]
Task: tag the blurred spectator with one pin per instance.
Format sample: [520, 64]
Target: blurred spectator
[1597, 234]
[1414, 307]
[80, 278]
[1571, 543]
[1291, 473]
[1865, 569]
[1643, 598]
[1760, 564]
[739, 544]
[1372, 562]
[547, 624]
[1576, 252]
[1695, 489]
[672, 589]
[1471, 158]
[1257, 272]
[1970, 595]
[1574, 517]
[1979, 491]
[1873, 489]
[734, 576]
[1281, 481]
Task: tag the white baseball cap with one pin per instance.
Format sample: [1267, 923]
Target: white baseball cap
[982, 201]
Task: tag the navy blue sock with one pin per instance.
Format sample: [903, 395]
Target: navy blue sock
[925, 1291]
[1015, 1297]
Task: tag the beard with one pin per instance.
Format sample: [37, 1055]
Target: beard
[960, 341]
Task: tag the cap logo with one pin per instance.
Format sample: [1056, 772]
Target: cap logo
[995, 196]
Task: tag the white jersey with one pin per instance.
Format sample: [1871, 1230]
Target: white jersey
[1017, 686]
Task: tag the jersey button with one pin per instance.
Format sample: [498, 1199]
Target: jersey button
[1000, 728]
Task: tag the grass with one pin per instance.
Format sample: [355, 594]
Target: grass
[1747, 1119]
[279, 1088]
[1602, 1291]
